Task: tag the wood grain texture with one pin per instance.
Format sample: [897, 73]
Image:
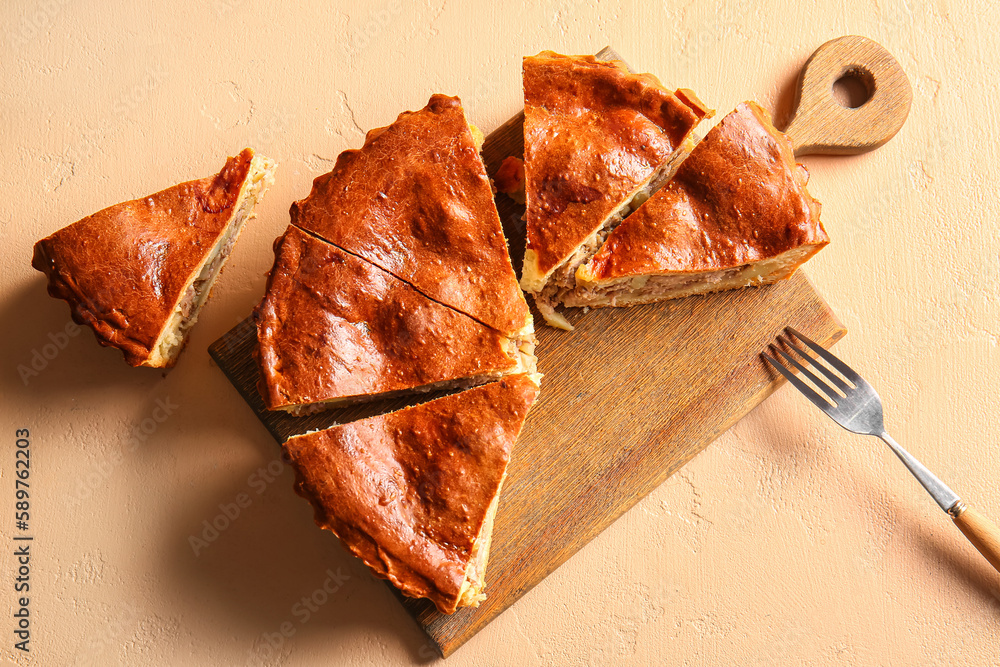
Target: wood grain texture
[983, 534]
[628, 398]
[821, 124]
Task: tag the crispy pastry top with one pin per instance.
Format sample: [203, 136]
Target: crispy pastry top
[739, 198]
[408, 491]
[123, 269]
[334, 326]
[593, 134]
[416, 201]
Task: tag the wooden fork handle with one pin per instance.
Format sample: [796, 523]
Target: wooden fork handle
[982, 532]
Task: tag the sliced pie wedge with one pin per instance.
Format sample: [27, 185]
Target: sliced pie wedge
[139, 272]
[335, 329]
[415, 200]
[413, 493]
[736, 214]
[596, 139]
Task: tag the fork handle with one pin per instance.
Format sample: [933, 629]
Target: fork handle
[982, 532]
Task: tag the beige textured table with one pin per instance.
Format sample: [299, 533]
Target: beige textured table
[788, 541]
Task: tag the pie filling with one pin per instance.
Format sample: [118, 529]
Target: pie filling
[563, 277]
[185, 315]
[648, 288]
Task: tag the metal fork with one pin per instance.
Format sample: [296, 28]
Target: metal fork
[856, 406]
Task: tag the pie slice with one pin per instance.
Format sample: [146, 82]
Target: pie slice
[597, 138]
[335, 329]
[413, 493]
[139, 272]
[737, 213]
[415, 200]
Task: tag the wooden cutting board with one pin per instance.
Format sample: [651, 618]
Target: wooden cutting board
[628, 398]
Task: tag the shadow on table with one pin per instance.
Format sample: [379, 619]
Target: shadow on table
[955, 556]
[264, 567]
[55, 365]
[968, 567]
[46, 355]
[253, 556]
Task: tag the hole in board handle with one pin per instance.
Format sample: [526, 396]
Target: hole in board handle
[854, 87]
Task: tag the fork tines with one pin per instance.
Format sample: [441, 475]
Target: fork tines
[831, 397]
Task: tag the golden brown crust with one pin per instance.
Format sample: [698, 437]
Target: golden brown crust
[593, 134]
[739, 198]
[333, 326]
[416, 201]
[408, 492]
[123, 269]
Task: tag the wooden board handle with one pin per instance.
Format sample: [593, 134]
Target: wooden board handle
[982, 532]
[821, 124]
